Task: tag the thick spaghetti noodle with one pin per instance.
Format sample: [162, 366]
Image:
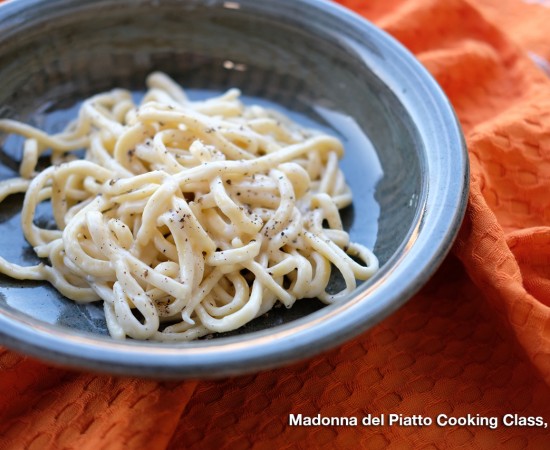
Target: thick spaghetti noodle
[185, 218]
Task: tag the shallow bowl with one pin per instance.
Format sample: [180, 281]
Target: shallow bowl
[321, 64]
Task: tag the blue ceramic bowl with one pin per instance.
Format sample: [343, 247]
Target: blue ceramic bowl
[326, 67]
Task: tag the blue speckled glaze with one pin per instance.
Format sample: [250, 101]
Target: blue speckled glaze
[326, 67]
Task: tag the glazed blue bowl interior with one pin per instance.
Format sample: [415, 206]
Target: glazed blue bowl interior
[317, 62]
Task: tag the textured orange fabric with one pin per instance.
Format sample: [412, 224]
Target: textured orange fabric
[525, 24]
[475, 340]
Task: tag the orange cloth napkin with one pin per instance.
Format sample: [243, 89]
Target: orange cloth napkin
[475, 340]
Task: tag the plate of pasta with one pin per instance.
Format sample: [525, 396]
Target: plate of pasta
[218, 194]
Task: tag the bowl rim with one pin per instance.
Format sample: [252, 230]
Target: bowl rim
[442, 205]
